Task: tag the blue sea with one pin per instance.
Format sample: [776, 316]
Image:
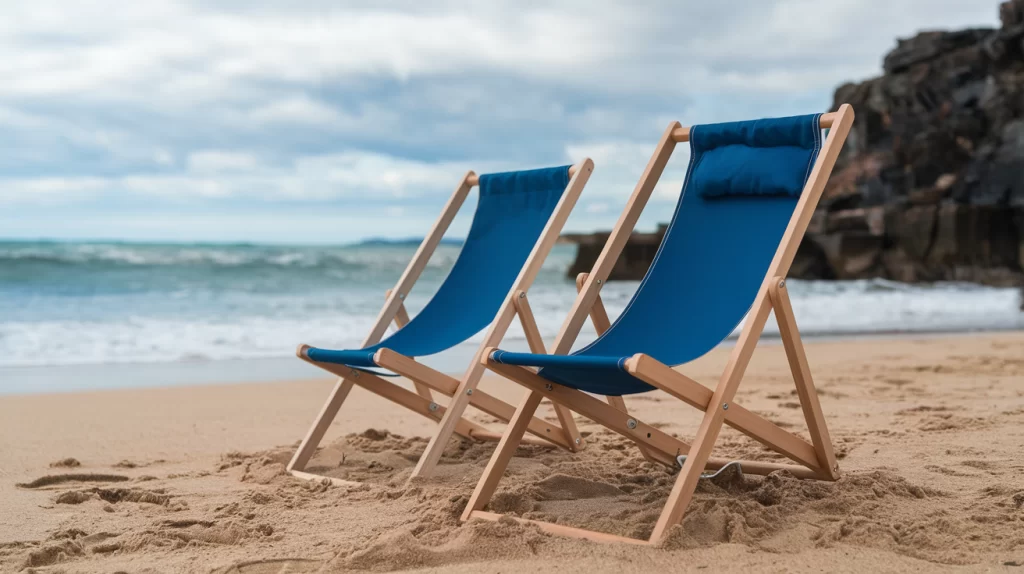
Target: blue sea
[100, 315]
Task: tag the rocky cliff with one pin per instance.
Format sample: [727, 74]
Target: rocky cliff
[931, 182]
[930, 185]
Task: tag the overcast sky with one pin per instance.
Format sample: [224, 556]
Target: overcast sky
[252, 120]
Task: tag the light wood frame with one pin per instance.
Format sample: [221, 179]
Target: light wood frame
[815, 459]
[425, 380]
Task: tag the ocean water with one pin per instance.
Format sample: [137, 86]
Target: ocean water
[71, 309]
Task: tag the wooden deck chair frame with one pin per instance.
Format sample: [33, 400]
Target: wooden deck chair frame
[462, 392]
[816, 459]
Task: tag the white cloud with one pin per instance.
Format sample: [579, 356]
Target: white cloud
[163, 157]
[299, 109]
[230, 174]
[618, 166]
[212, 161]
[172, 49]
[184, 101]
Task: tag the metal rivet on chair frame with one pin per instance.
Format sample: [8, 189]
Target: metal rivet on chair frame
[631, 423]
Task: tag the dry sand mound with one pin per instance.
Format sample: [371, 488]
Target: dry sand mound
[929, 435]
[608, 487]
[400, 550]
[624, 496]
[55, 479]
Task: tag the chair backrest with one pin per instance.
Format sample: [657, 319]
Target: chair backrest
[742, 185]
[513, 209]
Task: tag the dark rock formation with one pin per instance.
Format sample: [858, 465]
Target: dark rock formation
[930, 185]
[632, 264]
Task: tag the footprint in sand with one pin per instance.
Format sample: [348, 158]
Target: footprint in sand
[948, 422]
[924, 409]
[948, 471]
[565, 487]
[65, 545]
[272, 566]
[55, 479]
[114, 496]
[985, 465]
[66, 463]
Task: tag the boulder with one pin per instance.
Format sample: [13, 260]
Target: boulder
[852, 254]
[938, 145]
[928, 46]
[912, 230]
[631, 265]
[811, 262]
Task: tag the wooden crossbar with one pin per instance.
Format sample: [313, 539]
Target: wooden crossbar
[396, 394]
[561, 530]
[661, 376]
[474, 179]
[401, 320]
[411, 401]
[663, 447]
[682, 134]
[595, 409]
[489, 404]
[599, 317]
[570, 433]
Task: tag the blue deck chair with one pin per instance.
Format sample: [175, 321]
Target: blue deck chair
[751, 188]
[518, 217]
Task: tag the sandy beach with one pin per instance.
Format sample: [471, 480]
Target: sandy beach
[191, 479]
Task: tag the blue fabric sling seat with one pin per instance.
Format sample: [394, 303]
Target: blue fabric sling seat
[742, 185]
[510, 215]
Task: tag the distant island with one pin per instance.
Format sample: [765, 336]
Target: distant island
[406, 241]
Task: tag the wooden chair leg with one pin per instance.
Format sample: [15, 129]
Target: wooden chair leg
[686, 482]
[805, 389]
[456, 408]
[536, 343]
[410, 369]
[400, 396]
[678, 385]
[401, 320]
[323, 421]
[496, 466]
[663, 446]
[599, 317]
[714, 418]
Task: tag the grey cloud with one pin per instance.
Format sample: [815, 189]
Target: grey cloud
[108, 101]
